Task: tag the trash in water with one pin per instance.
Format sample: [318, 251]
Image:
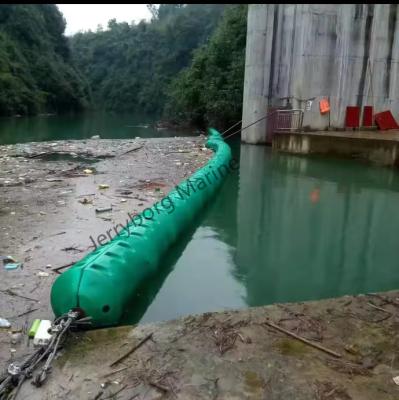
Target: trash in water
[396, 379]
[85, 201]
[54, 179]
[103, 186]
[123, 200]
[88, 171]
[11, 266]
[4, 323]
[95, 137]
[33, 329]
[10, 263]
[42, 274]
[100, 210]
[7, 259]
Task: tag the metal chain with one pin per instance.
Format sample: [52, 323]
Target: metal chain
[17, 374]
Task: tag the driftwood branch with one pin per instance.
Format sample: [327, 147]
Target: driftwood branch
[11, 293]
[58, 269]
[302, 339]
[132, 350]
[379, 308]
[133, 149]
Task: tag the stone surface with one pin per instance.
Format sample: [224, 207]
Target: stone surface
[235, 355]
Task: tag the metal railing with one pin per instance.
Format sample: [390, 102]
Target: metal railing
[283, 121]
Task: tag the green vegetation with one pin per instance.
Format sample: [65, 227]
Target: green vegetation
[130, 66]
[186, 64]
[210, 90]
[35, 70]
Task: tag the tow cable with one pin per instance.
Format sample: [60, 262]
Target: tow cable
[16, 374]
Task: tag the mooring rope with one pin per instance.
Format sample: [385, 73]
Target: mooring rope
[16, 374]
[242, 129]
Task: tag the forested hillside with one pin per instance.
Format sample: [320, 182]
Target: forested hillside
[210, 90]
[129, 66]
[185, 65]
[36, 74]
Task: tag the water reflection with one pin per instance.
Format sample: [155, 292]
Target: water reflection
[83, 126]
[286, 228]
[294, 245]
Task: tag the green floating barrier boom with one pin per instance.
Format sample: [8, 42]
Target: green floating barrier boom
[104, 282]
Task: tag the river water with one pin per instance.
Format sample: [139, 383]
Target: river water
[283, 228]
[84, 126]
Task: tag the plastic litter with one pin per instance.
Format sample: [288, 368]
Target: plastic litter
[85, 201]
[103, 186]
[4, 323]
[105, 209]
[11, 266]
[396, 379]
[42, 274]
[7, 259]
[10, 263]
[33, 329]
[88, 171]
[42, 336]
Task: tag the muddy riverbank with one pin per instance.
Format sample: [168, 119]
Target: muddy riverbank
[50, 192]
[238, 355]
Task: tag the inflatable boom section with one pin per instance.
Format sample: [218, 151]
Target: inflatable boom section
[104, 282]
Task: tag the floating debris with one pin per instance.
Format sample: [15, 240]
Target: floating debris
[105, 209]
[43, 274]
[54, 179]
[10, 263]
[103, 186]
[85, 201]
[33, 329]
[7, 259]
[12, 266]
[88, 171]
[4, 323]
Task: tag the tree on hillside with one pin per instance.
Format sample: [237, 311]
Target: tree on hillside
[36, 74]
[210, 90]
[129, 66]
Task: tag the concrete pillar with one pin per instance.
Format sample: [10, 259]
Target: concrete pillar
[347, 53]
[257, 71]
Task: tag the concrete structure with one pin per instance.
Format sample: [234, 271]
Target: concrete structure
[347, 53]
[381, 148]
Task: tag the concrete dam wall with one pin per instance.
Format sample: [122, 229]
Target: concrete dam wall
[345, 53]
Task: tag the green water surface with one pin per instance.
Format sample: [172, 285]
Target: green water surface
[284, 229]
[107, 126]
